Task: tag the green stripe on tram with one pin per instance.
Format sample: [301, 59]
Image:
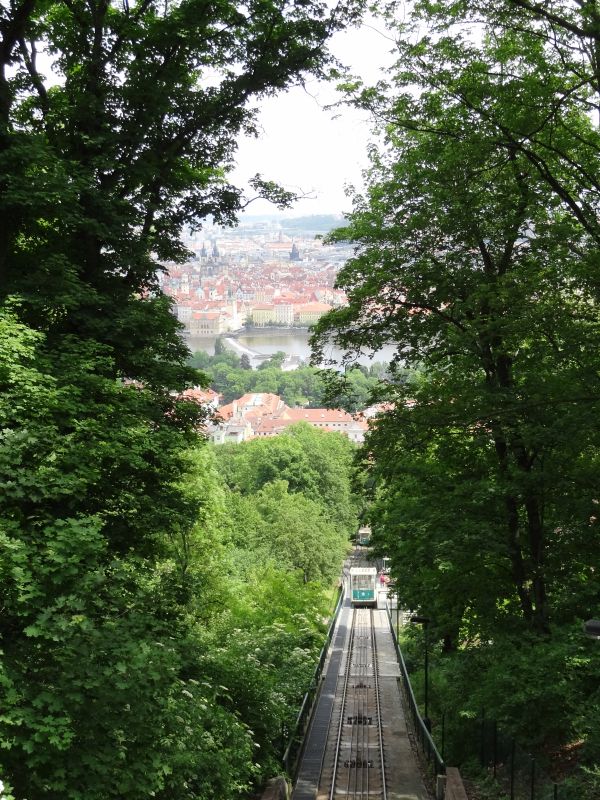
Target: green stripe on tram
[363, 594]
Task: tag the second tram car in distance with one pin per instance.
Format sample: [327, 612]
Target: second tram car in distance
[363, 586]
[363, 537]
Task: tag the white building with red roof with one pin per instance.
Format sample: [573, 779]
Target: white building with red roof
[331, 419]
[261, 414]
[206, 397]
[310, 313]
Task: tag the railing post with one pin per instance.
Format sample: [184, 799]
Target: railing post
[482, 753]
[555, 792]
[532, 795]
[495, 746]
[443, 734]
[512, 770]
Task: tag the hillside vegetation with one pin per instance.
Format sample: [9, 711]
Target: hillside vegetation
[476, 255]
[133, 662]
[232, 377]
[161, 603]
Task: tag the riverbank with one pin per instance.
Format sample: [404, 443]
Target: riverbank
[275, 329]
[294, 342]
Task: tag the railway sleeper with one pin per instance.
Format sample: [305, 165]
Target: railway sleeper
[358, 763]
[360, 720]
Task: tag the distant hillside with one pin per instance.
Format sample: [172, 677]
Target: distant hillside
[314, 223]
[322, 223]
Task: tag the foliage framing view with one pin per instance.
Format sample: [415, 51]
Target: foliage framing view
[476, 252]
[108, 586]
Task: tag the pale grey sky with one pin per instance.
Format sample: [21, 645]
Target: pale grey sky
[303, 146]
[307, 148]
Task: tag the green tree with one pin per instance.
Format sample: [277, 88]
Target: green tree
[266, 380]
[276, 360]
[355, 391]
[228, 381]
[315, 463]
[227, 357]
[304, 386]
[289, 530]
[560, 45]
[91, 675]
[200, 360]
[100, 169]
[264, 670]
[475, 262]
[475, 254]
[297, 533]
[245, 361]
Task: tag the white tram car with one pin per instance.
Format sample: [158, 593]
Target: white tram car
[363, 586]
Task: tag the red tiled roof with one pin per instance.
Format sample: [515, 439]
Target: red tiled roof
[206, 315]
[308, 307]
[201, 395]
[253, 405]
[325, 416]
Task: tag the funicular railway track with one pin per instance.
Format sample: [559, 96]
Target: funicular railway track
[354, 764]
[357, 745]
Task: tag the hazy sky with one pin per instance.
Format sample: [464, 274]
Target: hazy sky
[303, 146]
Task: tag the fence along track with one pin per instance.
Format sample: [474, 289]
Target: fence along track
[359, 765]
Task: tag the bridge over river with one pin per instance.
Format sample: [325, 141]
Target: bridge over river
[242, 349]
[291, 361]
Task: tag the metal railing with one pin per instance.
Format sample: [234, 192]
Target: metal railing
[295, 740]
[479, 745]
[423, 736]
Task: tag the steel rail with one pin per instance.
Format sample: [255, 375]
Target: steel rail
[378, 708]
[361, 708]
[362, 663]
[338, 743]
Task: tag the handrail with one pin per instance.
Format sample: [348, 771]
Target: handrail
[309, 697]
[378, 705]
[427, 743]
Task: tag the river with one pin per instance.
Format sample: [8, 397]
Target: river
[292, 342]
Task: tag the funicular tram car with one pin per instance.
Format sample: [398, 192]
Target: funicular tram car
[363, 586]
[363, 537]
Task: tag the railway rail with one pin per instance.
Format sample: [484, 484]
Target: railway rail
[357, 745]
[354, 764]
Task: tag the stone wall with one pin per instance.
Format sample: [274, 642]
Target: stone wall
[454, 785]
